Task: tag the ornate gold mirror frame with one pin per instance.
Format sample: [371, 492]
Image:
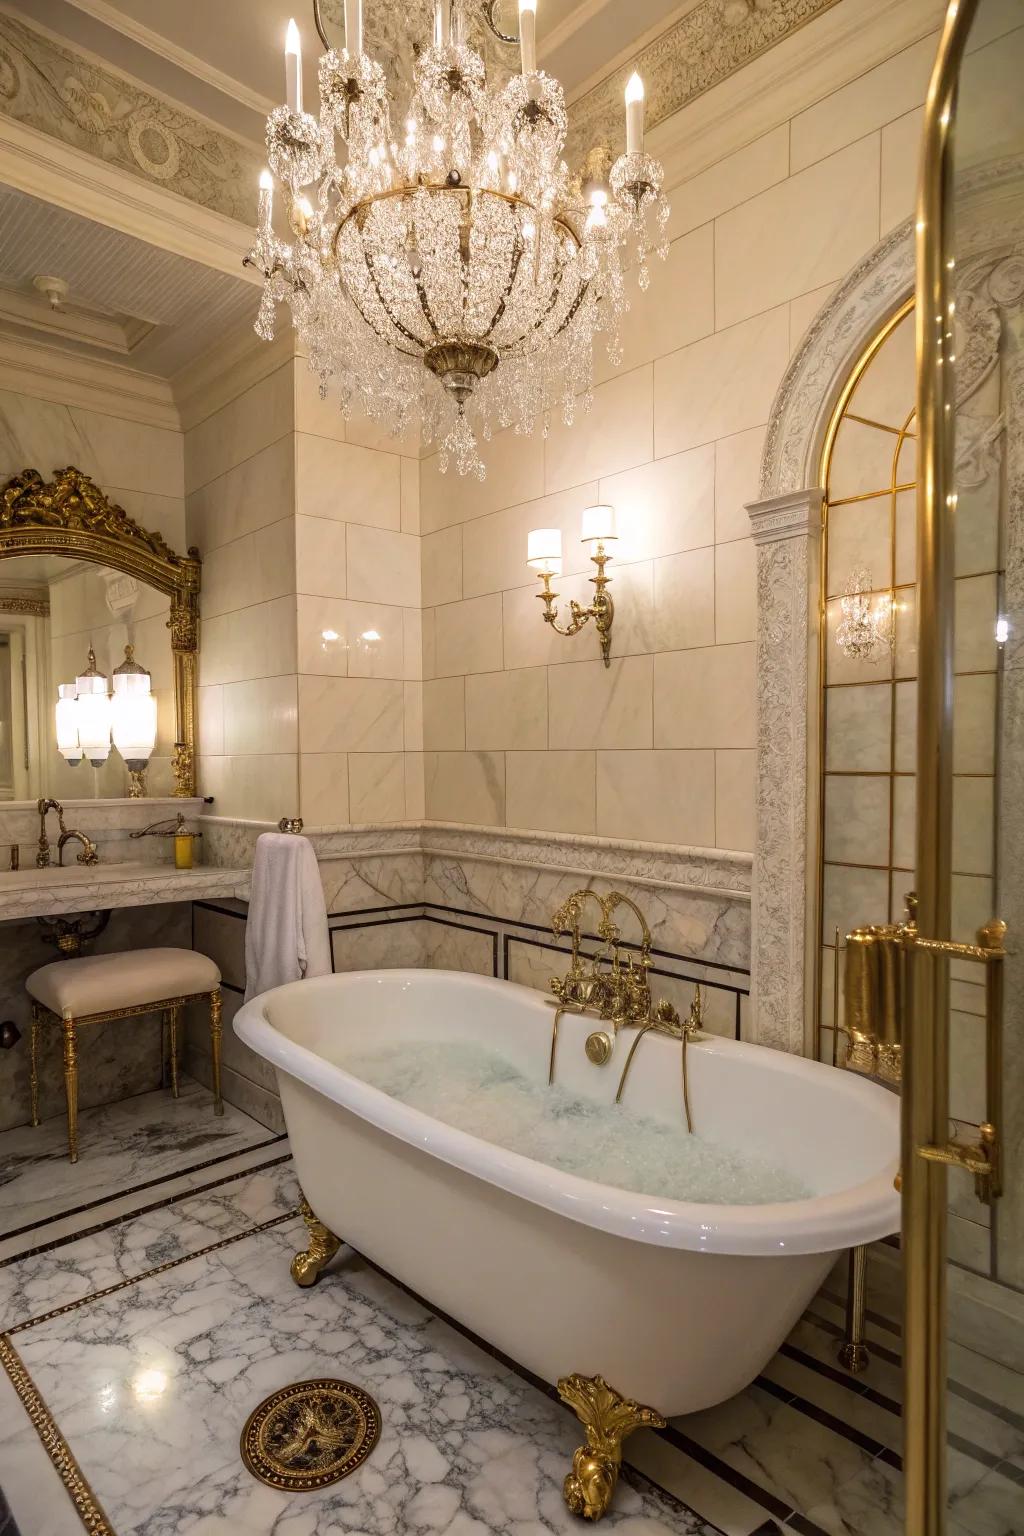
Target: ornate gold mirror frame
[71, 516]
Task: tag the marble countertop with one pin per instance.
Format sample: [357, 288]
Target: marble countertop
[81, 888]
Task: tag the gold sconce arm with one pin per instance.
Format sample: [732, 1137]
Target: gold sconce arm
[601, 610]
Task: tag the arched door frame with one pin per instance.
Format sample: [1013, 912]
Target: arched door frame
[786, 524]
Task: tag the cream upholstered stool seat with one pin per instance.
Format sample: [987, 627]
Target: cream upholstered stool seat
[96, 988]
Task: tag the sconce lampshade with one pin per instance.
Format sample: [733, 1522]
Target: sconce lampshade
[598, 525]
[93, 707]
[544, 551]
[133, 723]
[68, 744]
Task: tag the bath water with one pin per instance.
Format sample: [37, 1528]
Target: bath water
[476, 1090]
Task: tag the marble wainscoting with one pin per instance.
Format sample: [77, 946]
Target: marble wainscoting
[115, 1060]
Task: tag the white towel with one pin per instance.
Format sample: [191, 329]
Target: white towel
[286, 937]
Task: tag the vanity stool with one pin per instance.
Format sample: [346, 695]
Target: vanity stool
[96, 988]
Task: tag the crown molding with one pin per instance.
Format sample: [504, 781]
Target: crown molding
[191, 63]
[234, 365]
[45, 168]
[825, 54]
[52, 373]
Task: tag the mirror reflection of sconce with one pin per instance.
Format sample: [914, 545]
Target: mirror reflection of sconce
[867, 629]
[90, 718]
[544, 556]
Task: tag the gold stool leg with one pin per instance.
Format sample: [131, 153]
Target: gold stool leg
[174, 1022]
[71, 1084]
[607, 1419]
[33, 1075]
[216, 1033]
[853, 1353]
[308, 1265]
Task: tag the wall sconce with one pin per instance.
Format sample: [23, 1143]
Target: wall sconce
[133, 720]
[544, 555]
[92, 705]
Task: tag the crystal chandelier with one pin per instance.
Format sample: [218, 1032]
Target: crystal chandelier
[452, 273]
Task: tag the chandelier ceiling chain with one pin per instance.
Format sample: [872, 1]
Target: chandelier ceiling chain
[454, 274]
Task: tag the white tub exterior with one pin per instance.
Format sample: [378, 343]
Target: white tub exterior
[678, 1305]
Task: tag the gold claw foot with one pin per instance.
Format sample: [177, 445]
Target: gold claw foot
[308, 1266]
[607, 1419]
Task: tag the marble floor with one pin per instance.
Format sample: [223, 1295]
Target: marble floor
[142, 1342]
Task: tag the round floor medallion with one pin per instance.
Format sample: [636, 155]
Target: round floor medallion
[310, 1434]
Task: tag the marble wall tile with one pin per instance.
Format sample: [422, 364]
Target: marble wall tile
[441, 555]
[705, 697]
[256, 568]
[261, 716]
[862, 463]
[853, 897]
[904, 822]
[411, 496]
[974, 724]
[730, 181]
[413, 700]
[244, 497]
[664, 507]
[221, 936]
[737, 477]
[901, 152]
[515, 473]
[242, 428]
[376, 787]
[412, 644]
[657, 797]
[807, 230]
[859, 726]
[40, 434]
[383, 567]
[351, 714]
[866, 104]
[973, 826]
[465, 787]
[211, 719]
[507, 710]
[551, 791]
[468, 636]
[346, 483]
[388, 947]
[592, 705]
[444, 713]
[885, 392]
[341, 638]
[804, 311]
[370, 880]
[721, 385]
[735, 594]
[616, 434]
[977, 608]
[320, 569]
[323, 788]
[735, 774]
[675, 309]
[252, 642]
[857, 818]
[494, 547]
[457, 947]
[259, 788]
[415, 786]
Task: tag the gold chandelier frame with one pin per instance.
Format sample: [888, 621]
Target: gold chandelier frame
[70, 516]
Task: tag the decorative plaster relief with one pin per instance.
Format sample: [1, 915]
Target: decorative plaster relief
[49, 87]
[703, 48]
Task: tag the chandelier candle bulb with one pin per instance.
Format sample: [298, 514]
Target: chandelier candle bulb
[354, 27]
[442, 23]
[635, 115]
[528, 35]
[293, 67]
[544, 551]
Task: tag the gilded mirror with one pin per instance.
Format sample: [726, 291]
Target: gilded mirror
[99, 634]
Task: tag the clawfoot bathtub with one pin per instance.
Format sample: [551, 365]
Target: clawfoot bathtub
[676, 1305]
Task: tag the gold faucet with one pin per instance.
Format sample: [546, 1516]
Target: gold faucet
[89, 853]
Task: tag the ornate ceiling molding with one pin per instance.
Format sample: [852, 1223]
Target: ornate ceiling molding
[706, 46]
[48, 86]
